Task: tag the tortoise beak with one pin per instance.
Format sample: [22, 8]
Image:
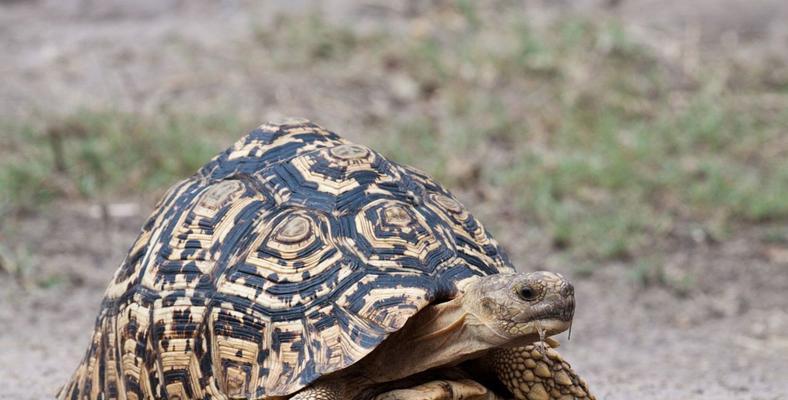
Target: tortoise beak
[564, 308]
[560, 304]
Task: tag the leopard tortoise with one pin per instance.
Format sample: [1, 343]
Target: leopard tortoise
[299, 265]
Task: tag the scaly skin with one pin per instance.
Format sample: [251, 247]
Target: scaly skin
[465, 389]
[443, 389]
[537, 372]
[321, 391]
[444, 384]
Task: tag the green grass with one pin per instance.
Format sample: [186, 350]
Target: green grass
[100, 154]
[575, 125]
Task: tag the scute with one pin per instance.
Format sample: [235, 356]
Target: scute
[289, 256]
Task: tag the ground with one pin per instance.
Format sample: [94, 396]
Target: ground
[688, 302]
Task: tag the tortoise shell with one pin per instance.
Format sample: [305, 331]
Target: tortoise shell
[291, 255]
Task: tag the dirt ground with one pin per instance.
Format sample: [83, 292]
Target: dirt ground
[724, 336]
[725, 339]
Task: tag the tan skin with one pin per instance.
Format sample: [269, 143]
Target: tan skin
[483, 332]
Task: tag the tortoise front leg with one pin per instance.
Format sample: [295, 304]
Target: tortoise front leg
[439, 389]
[331, 390]
[464, 389]
[537, 372]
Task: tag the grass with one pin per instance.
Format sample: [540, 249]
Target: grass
[16, 263]
[575, 125]
[100, 154]
[608, 155]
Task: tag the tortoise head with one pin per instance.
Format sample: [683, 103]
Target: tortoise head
[521, 305]
[500, 310]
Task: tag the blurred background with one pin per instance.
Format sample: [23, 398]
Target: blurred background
[638, 146]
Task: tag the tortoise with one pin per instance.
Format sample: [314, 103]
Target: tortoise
[297, 264]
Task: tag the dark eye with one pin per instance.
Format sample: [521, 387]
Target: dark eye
[526, 293]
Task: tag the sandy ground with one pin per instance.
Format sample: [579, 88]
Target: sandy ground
[723, 337]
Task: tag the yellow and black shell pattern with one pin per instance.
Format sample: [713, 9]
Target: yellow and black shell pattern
[289, 256]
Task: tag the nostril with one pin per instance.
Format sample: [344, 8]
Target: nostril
[568, 290]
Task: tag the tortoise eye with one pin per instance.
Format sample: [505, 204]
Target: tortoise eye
[526, 293]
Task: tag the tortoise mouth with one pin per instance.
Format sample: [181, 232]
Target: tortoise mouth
[562, 311]
[549, 319]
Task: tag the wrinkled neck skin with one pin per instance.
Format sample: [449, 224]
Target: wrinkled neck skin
[440, 335]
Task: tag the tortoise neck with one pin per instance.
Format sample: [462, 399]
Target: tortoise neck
[440, 335]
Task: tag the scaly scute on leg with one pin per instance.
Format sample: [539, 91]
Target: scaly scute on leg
[322, 391]
[464, 389]
[537, 372]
